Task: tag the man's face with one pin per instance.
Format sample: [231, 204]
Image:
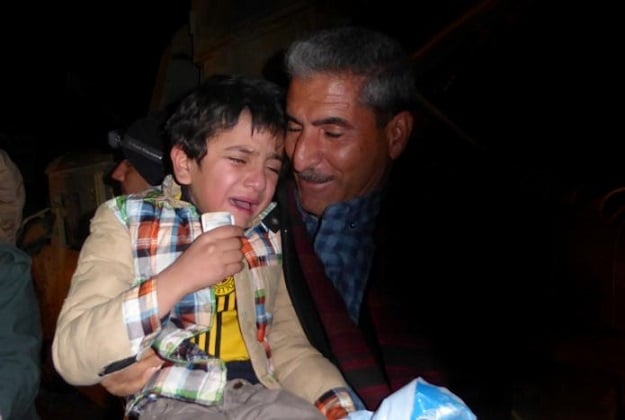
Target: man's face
[337, 151]
[238, 174]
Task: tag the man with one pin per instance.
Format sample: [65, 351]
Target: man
[388, 282]
[141, 146]
[350, 103]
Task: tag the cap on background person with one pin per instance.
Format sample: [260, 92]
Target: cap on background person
[143, 145]
[12, 199]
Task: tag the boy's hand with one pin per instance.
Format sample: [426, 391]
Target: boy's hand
[212, 257]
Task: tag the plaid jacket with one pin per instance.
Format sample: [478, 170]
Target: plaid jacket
[161, 226]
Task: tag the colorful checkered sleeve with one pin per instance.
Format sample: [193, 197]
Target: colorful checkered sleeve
[140, 311]
[335, 404]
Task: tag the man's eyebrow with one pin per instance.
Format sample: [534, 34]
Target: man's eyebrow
[323, 121]
[332, 121]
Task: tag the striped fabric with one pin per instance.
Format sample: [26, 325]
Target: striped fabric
[258, 250]
[224, 339]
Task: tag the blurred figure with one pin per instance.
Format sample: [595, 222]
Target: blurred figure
[20, 329]
[12, 199]
[141, 146]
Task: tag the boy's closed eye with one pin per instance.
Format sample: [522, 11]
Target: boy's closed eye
[237, 160]
[277, 168]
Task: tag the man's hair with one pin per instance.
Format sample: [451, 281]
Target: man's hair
[386, 68]
[216, 105]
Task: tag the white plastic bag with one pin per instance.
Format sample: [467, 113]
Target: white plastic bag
[419, 400]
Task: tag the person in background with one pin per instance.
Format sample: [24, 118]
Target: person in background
[142, 147]
[20, 326]
[140, 166]
[212, 304]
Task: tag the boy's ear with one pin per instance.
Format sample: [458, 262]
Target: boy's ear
[398, 131]
[181, 165]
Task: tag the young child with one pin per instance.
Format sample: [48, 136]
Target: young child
[212, 304]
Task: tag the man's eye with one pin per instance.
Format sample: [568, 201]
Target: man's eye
[332, 134]
[293, 128]
[236, 160]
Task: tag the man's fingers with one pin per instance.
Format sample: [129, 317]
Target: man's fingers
[147, 375]
[150, 359]
[132, 378]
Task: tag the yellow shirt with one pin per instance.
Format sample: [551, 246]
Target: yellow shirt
[224, 340]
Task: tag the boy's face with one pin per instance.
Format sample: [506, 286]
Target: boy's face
[238, 174]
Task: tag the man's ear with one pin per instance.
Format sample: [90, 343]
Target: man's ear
[181, 165]
[398, 131]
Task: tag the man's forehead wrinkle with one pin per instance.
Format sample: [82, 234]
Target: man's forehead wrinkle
[338, 94]
[336, 102]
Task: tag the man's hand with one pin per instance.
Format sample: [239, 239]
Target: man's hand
[131, 379]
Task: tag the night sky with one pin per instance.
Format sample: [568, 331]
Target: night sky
[84, 68]
[70, 74]
[539, 94]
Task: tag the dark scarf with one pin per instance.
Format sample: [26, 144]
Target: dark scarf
[386, 350]
[343, 342]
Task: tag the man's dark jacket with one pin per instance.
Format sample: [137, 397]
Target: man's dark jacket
[387, 349]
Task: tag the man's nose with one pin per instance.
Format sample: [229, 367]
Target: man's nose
[306, 151]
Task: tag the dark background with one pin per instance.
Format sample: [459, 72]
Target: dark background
[520, 131]
[536, 86]
[71, 72]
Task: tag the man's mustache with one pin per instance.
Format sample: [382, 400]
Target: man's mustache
[311, 175]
